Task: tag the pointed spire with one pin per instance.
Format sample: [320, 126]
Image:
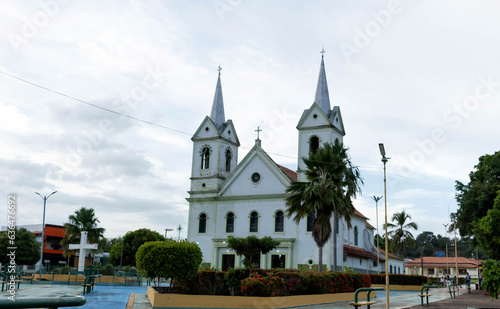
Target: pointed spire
[322, 96]
[217, 114]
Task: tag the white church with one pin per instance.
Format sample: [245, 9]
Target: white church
[241, 198]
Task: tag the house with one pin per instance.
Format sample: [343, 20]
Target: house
[435, 266]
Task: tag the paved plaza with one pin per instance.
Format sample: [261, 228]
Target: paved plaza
[109, 297]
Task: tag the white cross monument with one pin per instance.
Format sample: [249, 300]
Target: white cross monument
[82, 246]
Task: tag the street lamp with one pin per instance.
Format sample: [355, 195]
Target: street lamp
[384, 160]
[376, 199]
[45, 198]
[446, 231]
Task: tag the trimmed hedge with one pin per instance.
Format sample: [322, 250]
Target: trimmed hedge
[397, 279]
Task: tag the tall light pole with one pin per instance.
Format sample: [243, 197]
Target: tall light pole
[384, 160]
[456, 256]
[44, 198]
[446, 231]
[179, 228]
[376, 199]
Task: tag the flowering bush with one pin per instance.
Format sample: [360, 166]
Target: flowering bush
[266, 286]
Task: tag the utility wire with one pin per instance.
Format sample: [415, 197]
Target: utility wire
[93, 105]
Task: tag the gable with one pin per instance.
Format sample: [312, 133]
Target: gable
[336, 119]
[271, 180]
[229, 132]
[313, 117]
[206, 130]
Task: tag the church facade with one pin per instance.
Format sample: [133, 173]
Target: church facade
[232, 198]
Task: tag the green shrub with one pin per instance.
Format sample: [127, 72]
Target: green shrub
[169, 259]
[207, 282]
[397, 279]
[233, 278]
[491, 281]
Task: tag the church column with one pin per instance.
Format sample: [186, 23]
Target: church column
[263, 261]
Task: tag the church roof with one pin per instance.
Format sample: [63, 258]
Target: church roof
[360, 252]
[288, 172]
[322, 97]
[217, 114]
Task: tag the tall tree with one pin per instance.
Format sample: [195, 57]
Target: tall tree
[487, 231]
[401, 237]
[28, 249]
[332, 182]
[477, 196]
[131, 243]
[84, 219]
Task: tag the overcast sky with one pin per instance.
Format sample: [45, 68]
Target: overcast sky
[422, 77]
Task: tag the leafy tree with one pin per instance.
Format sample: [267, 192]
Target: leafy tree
[28, 249]
[332, 182]
[491, 282]
[169, 259]
[487, 231]
[251, 247]
[401, 237]
[477, 196]
[131, 243]
[84, 219]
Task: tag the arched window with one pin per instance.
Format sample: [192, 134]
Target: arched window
[205, 158]
[278, 221]
[202, 226]
[355, 235]
[399, 270]
[338, 224]
[254, 222]
[310, 221]
[313, 144]
[229, 156]
[230, 223]
[390, 271]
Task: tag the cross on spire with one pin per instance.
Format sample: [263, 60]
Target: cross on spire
[322, 52]
[258, 131]
[219, 69]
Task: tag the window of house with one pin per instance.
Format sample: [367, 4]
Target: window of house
[399, 269]
[205, 158]
[390, 269]
[375, 263]
[430, 271]
[310, 222]
[462, 271]
[254, 222]
[202, 226]
[228, 160]
[278, 221]
[313, 144]
[230, 223]
[355, 235]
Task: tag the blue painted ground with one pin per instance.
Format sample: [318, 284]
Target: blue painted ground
[110, 296]
[381, 294]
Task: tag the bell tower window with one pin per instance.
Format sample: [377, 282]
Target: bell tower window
[205, 158]
[229, 156]
[313, 144]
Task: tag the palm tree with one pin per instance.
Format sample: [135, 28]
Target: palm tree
[83, 219]
[332, 181]
[401, 237]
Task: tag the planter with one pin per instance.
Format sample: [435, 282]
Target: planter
[212, 301]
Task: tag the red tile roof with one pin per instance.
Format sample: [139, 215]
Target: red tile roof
[357, 213]
[368, 225]
[437, 261]
[355, 251]
[288, 172]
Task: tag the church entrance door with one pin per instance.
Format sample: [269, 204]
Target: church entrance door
[227, 261]
[278, 261]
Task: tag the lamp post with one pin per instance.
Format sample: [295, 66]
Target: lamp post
[166, 231]
[446, 231]
[384, 160]
[44, 198]
[376, 199]
[456, 256]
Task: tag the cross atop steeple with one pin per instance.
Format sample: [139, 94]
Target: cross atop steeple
[322, 52]
[322, 97]
[258, 131]
[217, 114]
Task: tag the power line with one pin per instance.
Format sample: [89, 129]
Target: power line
[91, 104]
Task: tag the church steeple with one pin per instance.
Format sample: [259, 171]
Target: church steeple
[217, 114]
[322, 96]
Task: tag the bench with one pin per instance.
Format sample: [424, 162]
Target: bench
[367, 303]
[5, 281]
[89, 283]
[76, 273]
[132, 277]
[424, 292]
[452, 289]
[27, 276]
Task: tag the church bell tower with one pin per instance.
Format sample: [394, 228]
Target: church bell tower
[319, 124]
[215, 149]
